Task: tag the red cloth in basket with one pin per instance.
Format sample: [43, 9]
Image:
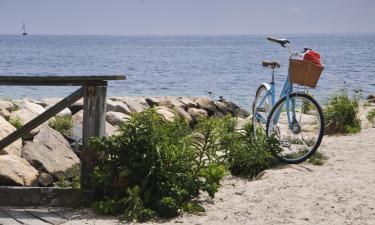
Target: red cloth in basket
[312, 56]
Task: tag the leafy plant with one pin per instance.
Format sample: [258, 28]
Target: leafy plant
[62, 124]
[371, 117]
[156, 168]
[317, 159]
[161, 164]
[341, 115]
[249, 156]
[16, 122]
[70, 180]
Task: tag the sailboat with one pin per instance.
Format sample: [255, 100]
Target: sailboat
[24, 29]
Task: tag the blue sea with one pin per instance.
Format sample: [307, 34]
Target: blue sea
[228, 66]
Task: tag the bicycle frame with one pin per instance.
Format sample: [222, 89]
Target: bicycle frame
[287, 89]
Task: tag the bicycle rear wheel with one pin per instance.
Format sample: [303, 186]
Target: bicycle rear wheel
[298, 125]
[261, 107]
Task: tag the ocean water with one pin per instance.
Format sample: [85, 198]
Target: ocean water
[228, 66]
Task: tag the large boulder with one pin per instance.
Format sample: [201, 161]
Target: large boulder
[26, 112]
[172, 102]
[4, 113]
[116, 118]
[235, 110]
[6, 129]
[184, 115]
[78, 123]
[188, 101]
[206, 104]
[152, 101]
[135, 105]
[117, 106]
[50, 152]
[165, 112]
[15, 171]
[197, 113]
[8, 105]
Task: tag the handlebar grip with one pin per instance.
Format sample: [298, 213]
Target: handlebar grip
[282, 42]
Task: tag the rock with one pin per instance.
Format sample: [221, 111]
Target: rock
[172, 102]
[222, 107]
[6, 129]
[110, 130]
[197, 113]
[8, 105]
[50, 152]
[241, 123]
[48, 101]
[27, 111]
[45, 180]
[188, 101]
[65, 112]
[141, 101]
[134, 106]
[76, 107]
[116, 118]
[184, 115]
[371, 98]
[151, 101]
[15, 171]
[117, 106]
[235, 110]
[4, 113]
[78, 123]
[167, 113]
[206, 104]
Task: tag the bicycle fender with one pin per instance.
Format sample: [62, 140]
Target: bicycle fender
[268, 87]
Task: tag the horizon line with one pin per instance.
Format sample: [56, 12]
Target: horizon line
[193, 34]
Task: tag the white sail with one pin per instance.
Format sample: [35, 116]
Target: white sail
[23, 29]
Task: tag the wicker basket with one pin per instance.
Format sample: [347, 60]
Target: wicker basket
[304, 72]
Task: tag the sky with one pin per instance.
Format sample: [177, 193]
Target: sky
[186, 17]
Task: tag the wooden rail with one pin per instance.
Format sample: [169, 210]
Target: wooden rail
[93, 90]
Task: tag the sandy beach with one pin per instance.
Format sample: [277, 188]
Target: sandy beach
[339, 192]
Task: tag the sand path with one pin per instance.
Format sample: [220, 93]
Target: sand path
[342, 191]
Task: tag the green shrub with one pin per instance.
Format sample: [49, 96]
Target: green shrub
[317, 159]
[155, 168]
[70, 180]
[341, 115]
[62, 124]
[371, 117]
[249, 156]
[16, 122]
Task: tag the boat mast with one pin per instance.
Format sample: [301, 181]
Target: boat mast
[23, 29]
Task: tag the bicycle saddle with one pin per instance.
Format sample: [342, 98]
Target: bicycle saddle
[271, 64]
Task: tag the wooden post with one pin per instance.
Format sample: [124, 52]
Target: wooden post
[94, 109]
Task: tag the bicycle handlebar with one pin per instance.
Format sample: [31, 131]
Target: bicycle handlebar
[282, 42]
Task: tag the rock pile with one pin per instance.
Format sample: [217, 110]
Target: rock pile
[43, 156]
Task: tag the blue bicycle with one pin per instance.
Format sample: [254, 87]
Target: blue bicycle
[295, 119]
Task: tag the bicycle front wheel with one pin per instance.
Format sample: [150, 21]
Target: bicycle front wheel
[298, 126]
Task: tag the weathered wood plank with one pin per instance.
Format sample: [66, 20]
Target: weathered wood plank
[5, 219]
[47, 216]
[58, 80]
[24, 217]
[75, 96]
[46, 196]
[67, 213]
[94, 103]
